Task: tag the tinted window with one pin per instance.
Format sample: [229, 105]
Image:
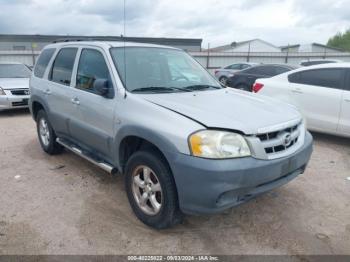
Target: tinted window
[234, 67]
[43, 61]
[92, 66]
[244, 66]
[281, 70]
[319, 77]
[267, 70]
[61, 71]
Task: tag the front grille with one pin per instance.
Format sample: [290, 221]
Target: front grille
[20, 92]
[281, 140]
[21, 103]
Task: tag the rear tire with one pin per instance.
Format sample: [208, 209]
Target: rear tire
[151, 190]
[223, 80]
[46, 134]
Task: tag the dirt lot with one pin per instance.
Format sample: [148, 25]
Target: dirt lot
[65, 205]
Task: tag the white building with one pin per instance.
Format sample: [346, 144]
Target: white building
[254, 45]
[313, 47]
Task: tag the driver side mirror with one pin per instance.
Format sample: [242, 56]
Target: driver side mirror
[101, 86]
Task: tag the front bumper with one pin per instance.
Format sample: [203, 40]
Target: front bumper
[211, 186]
[9, 101]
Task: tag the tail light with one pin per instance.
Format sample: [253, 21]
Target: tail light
[257, 87]
[216, 71]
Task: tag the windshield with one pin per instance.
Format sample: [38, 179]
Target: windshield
[154, 70]
[14, 71]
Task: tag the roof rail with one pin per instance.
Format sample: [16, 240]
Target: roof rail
[68, 39]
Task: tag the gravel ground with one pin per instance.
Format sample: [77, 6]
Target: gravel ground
[65, 205]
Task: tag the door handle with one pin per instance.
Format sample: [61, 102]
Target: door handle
[347, 100]
[47, 92]
[75, 101]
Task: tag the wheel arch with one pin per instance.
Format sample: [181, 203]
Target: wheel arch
[36, 104]
[132, 138]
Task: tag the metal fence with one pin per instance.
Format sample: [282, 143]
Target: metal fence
[210, 60]
[214, 60]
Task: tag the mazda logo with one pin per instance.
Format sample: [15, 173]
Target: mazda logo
[287, 139]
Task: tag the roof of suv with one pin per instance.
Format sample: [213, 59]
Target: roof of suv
[107, 44]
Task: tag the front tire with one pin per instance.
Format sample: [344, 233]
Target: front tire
[151, 190]
[46, 134]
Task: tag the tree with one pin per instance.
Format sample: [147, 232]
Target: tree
[340, 40]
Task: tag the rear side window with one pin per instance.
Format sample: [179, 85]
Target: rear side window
[43, 61]
[281, 70]
[92, 66]
[61, 71]
[331, 77]
[234, 67]
[244, 66]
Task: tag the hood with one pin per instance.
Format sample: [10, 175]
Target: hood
[14, 83]
[227, 109]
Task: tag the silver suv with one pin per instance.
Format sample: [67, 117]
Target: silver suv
[185, 144]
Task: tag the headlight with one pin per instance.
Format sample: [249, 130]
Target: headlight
[218, 144]
[2, 93]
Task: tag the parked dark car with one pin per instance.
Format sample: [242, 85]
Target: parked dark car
[245, 79]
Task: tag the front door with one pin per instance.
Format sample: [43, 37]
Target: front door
[317, 93]
[344, 119]
[95, 125]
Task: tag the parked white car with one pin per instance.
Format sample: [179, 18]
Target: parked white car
[14, 85]
[321, 93]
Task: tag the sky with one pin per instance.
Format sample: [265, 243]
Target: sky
[279, 22]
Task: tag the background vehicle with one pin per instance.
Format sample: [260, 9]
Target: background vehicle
[245, 79]
[223, 74]
[321, 93]
[182, 141]
[14, 85]
[318, 62]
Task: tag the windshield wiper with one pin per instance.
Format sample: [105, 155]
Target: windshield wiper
[159, 88]
[201, 87]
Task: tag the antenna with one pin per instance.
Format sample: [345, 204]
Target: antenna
[124, 22]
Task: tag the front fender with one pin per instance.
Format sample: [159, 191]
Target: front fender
[152, 136]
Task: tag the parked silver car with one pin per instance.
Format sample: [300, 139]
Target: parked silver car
[14, 85]
[225, 73]
[184, 143]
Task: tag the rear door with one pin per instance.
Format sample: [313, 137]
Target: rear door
[259, 72]
[58, 90]
[318, 93]
[344, 120]
[94, 127]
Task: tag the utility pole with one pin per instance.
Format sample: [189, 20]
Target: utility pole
[208, 56]
[287, 55]
[33, 45]
[248, 57]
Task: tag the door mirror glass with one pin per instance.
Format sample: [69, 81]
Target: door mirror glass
[101, 87]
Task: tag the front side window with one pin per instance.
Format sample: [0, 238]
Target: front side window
[160, 70]
[43, 61]
[92, 66]
[62, 67]
[14, 71]
[331, 77]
